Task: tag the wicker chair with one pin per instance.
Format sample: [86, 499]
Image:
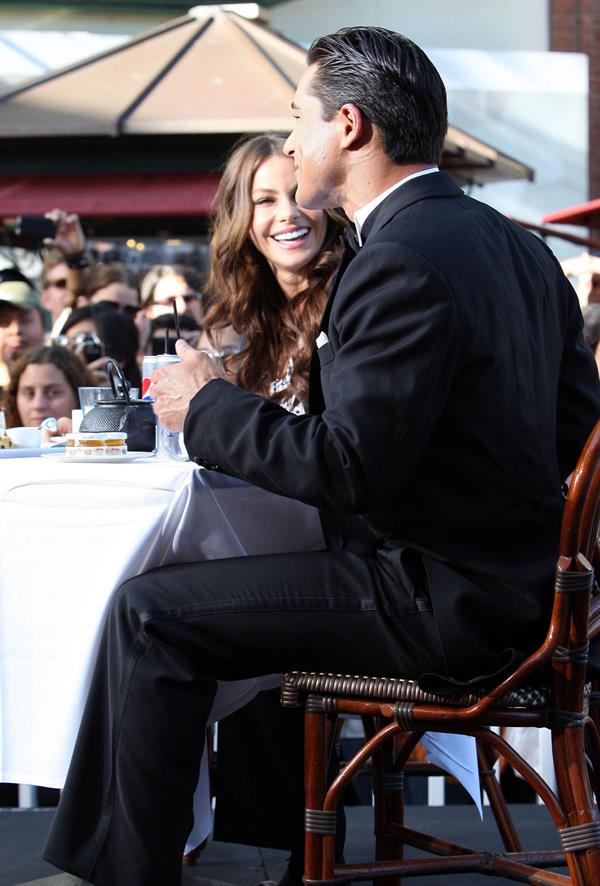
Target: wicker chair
[396, 713]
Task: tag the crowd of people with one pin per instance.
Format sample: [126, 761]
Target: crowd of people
[97, 311]
[239, 309]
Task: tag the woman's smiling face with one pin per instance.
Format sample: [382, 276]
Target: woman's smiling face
[289, 237]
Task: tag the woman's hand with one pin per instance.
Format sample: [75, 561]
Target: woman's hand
[63, 426]
[69, 237]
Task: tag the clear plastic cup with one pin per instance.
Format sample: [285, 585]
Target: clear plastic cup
[89, 396]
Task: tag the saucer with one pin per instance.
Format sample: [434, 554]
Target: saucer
[98, 459]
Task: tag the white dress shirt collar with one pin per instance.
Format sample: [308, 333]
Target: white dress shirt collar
[360, 216]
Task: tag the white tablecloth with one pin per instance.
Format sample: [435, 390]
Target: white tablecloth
[69, 535]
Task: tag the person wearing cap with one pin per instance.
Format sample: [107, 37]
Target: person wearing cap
[22, 319]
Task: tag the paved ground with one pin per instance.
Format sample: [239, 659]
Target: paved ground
[22, 835]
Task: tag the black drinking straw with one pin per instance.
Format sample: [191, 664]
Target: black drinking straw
[167, 340]
[176, 315]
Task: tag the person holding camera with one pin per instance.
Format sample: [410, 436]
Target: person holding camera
[65, 264]
[97, 333]
[112, 283]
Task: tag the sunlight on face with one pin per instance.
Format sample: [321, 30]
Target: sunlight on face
[313, 146]
[289, 237]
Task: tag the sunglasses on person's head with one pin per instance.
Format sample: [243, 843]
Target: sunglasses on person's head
[132, 310]
[188, 298]
[61, 283]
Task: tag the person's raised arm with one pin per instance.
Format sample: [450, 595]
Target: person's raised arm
[69, 239]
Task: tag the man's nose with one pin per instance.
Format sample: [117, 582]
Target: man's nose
[288, 148]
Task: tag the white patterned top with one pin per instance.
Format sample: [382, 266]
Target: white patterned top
[291, 403]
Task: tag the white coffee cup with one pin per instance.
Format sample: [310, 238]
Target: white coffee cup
[25, 438]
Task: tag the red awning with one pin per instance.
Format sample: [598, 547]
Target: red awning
[586, 214]
[124, 194]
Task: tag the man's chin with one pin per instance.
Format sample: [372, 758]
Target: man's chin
[313, 200]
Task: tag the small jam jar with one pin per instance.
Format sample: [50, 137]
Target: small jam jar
[94, 444]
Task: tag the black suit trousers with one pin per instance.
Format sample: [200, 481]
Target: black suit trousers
[125, 811]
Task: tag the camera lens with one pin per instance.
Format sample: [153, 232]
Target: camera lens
[88, 345]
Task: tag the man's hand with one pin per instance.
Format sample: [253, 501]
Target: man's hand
[69, 237]
[174, 386]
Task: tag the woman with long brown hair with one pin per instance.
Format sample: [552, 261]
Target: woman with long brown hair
[271, 263]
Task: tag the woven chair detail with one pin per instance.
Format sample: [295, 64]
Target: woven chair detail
[550, 688]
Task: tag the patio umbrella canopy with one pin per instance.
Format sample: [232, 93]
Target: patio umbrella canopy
[586, 214]
[211, 71]
[170, 101]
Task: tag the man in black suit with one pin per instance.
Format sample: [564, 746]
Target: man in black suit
[451, 393]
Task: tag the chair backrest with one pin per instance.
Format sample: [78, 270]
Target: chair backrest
[581, 516]
[573, 611]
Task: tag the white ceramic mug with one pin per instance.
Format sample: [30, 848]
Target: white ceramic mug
[25, 438]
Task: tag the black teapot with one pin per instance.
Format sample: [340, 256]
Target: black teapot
[121, 413]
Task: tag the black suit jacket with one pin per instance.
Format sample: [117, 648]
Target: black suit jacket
[453, 395]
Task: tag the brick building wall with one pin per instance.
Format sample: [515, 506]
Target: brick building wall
[575, 27]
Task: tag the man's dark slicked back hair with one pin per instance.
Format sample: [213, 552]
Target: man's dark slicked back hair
[391, 80]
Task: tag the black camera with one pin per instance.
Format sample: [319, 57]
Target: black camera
[88, 345]
[36, 227]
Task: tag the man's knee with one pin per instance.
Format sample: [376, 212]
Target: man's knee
[130, 601]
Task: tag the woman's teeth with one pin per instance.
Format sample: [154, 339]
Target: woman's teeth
[292, 235]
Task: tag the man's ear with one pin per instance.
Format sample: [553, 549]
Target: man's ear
[355, 126]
